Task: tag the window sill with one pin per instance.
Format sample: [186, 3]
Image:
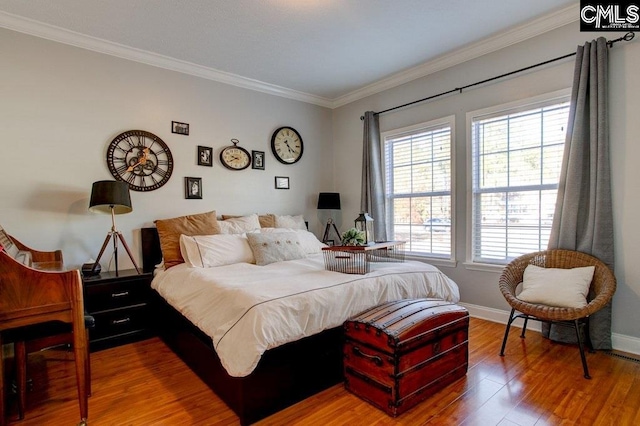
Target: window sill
[484, 267]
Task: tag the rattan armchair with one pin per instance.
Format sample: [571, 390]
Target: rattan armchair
[601, 291]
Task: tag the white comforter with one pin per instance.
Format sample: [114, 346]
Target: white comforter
[247, 309]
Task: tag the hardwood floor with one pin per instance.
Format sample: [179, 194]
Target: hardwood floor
[537, 383]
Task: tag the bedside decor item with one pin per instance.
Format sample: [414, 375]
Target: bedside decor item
[109, 196]
[180, 128]
[364, 223]
[282, 182]
[205, 156]
[353, 237]
[193, 188]
[329, 201]
[90, 268]
[234, 157]
[257, 160]
[287, 145]
[141, 159]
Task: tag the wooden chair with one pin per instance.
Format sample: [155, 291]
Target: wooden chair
[602, 288]
[37, 295]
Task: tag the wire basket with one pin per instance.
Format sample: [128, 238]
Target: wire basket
[346, 261]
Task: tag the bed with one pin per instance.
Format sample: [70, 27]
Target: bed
[258, 377]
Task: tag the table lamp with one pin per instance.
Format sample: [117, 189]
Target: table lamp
[110, 196]
[329, 201]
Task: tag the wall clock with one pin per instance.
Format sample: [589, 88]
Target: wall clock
[287, 145]
[141, 159]
[234, 157]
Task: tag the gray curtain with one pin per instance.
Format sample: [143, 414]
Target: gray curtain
[583, 219]
[372, 198]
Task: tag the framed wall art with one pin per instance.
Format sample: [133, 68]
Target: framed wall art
[282, 182]
[257, 160]
[180, 128]
[193, 188]
[205, 156]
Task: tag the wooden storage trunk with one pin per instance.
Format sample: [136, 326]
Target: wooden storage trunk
[400, 353]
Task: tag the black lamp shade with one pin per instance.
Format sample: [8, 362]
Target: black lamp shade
[329, 200]
[110, 193]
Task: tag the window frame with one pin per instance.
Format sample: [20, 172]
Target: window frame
[425, 126]
[539, 101]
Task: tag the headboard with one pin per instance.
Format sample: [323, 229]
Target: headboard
[151, 252]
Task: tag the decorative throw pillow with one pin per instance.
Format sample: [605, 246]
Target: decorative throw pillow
[295, 222]
[275, 247]
[308, 241]
[563, 288]
[239, 225]
[266, 220]
[169, 231]
[206, 251]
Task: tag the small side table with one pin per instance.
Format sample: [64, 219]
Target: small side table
[356, 259]
[120, 305]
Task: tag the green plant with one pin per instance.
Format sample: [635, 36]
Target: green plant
[353, 237]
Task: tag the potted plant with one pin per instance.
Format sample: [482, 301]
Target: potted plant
[353, 237]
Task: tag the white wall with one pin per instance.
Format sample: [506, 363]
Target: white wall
[480, 287]
[60, 106]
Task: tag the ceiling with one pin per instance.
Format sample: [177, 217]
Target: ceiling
[327, 52]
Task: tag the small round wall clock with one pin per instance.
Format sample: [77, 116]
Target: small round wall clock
[234, 157]
[287, 145]
[141, 159]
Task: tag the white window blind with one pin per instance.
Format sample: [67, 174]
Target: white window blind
[516, 162]
[418, 187]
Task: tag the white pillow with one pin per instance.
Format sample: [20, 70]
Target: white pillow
[239, 225]
[206, 251]
[308, 241]
[275, 247]
[563, 288]
[295, 222]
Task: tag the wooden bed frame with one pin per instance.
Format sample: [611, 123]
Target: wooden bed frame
[285, 375]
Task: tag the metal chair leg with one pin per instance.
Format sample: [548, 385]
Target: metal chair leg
[582, 356]
[524, 327]
[506, 331]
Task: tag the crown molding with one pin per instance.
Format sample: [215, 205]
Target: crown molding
[491, 44]
[61, 35]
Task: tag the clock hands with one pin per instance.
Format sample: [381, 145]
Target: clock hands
[141, 160]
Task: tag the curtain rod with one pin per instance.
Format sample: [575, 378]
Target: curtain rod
[627, 37]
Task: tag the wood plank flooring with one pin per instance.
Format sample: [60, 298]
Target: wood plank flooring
[538, 382]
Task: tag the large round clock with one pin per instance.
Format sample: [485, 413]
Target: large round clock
[234, 157]
[141, 159]
[286, 145]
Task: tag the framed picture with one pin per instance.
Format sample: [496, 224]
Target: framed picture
[205, 156]
[257, 160]
[282, 182]
[193, 188]
[180, 128]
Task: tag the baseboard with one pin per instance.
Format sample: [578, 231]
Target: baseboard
[620, 342]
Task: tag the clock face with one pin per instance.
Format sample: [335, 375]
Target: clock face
[141, 159]
[286, 145]
[234, 157]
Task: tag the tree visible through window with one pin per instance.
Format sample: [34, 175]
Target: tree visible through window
[418, 185]
[516, 162]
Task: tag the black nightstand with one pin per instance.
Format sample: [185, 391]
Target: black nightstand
[120, 306]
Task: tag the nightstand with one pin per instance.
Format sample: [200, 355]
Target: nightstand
[121, 307]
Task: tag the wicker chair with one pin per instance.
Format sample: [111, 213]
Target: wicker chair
[600, 293]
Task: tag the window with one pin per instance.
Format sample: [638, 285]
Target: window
[516, 161]
[418, 187]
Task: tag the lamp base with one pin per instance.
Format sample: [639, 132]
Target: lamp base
[327, 231]
[116, 236]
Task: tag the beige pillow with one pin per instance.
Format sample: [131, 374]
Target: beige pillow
[295, 222]
[308, 241]
[266, 220]
[563, 288]
[239, 225]
[169, 231]
[275, 247]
